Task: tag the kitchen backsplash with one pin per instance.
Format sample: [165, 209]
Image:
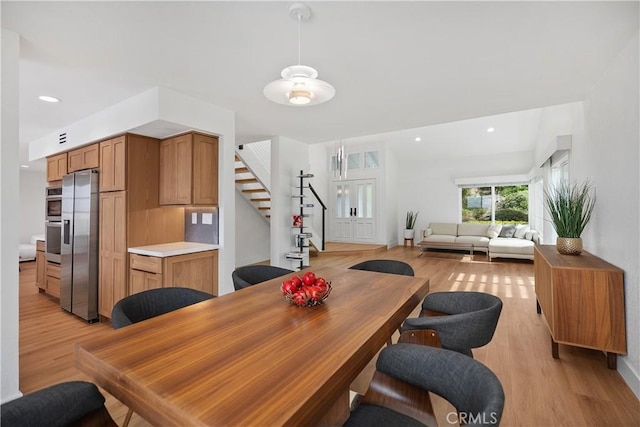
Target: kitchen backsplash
[201, 225]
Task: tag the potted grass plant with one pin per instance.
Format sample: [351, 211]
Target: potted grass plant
[570, 206]
[410, 222]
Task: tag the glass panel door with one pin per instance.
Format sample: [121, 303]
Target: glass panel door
[354, 211]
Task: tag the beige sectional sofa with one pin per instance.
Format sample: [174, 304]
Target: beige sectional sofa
[510, 241]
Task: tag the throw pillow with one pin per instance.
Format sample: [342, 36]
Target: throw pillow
[507, 230]
[520, 231]
[528, 235]
[494, 231]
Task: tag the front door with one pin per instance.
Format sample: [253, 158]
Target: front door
[354, 211]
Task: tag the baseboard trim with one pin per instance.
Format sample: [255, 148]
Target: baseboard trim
[629, 376]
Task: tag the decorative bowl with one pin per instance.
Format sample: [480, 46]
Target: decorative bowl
[306, 291]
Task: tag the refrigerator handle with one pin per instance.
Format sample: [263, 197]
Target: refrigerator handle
[66, 231]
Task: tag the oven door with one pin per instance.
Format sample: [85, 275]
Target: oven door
[54, 208]
[53, 232]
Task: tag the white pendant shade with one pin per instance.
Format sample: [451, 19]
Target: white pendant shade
[299, 86]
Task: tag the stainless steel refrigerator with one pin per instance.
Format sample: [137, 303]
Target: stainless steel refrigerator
[79, 244]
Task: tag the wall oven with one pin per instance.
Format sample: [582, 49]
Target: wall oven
[53, 204]
[52, 237]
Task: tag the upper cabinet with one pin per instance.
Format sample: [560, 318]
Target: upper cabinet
[189, 170]
[56, 167]
[113, 166]
[84, 158]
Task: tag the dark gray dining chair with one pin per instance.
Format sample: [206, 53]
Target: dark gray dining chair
[385, 266]
[72, 403]
[151, 303]
[456, 321]
[154, 302]
[406, 373]
[250, 275]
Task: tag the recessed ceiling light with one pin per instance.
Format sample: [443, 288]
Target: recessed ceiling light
[46, 98]
[418, 139]
[24, 166]
[490, 130]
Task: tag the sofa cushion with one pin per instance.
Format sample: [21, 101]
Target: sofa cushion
[507, 230]
[472, 229]
[494, 231]
[446, 228]
[477, 241]
[504, 245]
[440, 238]
[520, 231]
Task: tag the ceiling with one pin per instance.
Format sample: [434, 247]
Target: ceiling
[394, 65]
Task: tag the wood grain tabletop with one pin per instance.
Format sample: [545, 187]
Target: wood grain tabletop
[249, 357]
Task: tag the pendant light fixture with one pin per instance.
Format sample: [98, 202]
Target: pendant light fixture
[340, 162]
[299, 85]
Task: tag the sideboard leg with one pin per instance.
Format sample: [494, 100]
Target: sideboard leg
[554, 349]
[612, 361]
[538, 308]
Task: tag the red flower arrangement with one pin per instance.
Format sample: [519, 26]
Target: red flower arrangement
[306, 291]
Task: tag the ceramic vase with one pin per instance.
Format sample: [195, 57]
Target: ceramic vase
[569, 245]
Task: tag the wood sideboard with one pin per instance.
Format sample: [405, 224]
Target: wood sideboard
[582, 300]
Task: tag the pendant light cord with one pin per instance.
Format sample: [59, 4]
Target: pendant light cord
[299, 36]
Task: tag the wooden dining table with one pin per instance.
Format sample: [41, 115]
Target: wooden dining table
[249, 357]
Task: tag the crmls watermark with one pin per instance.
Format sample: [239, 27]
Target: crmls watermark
[469, 418]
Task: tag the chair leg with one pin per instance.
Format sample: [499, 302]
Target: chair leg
[127, 418]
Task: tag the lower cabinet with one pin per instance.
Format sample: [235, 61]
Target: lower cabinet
[52, 279]
[47, 273]
[196, 270]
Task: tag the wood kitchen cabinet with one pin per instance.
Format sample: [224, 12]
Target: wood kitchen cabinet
[189, 170]
[113, 250]
[113, 156]
[195, 270]
[130, 216]
[84, 158]
[52, 279]
[56, 167]
[47, 273]
[582, 300]
[145, 273]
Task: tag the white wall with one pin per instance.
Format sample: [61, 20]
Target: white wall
[253, 241]
[392, 218]
[427, 185]
[319, 166]
[32, 206]
[9, 177]
[288, 158]
[609, 156]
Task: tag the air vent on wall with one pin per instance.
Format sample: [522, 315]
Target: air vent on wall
[62, 138]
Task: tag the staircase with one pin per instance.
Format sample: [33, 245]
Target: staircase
[252, 189]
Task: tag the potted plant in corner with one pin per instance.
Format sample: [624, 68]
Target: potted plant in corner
[409, 232]
[570, 206]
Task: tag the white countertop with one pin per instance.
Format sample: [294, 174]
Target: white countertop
[171, 249]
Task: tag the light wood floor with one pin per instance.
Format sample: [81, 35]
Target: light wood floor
[576, 390]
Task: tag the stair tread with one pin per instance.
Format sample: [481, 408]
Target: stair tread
[263, 208]
[261, 199]
[246, 180]
[254, 190]
[242, 169]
